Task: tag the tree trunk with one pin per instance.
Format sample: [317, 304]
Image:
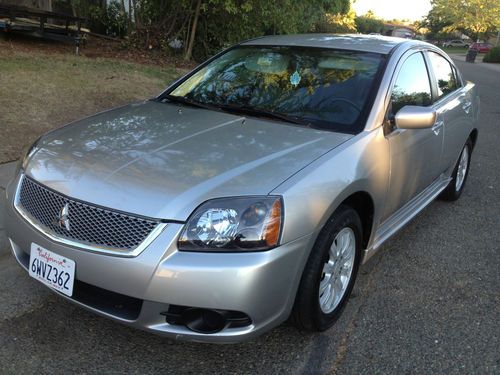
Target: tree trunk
[189, 51]
[129, 22]
[123, 16]
[122, 8]
[73, 9]
[136, 17]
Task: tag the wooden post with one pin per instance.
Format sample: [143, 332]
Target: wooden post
[43, 19]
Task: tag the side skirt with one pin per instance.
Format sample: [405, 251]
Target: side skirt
[401, 217]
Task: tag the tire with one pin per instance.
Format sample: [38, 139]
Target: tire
[311, 311]
[459, 176]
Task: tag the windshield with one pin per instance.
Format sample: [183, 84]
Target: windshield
[319, 87]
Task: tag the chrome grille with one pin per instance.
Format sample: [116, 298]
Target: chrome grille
[88, 224]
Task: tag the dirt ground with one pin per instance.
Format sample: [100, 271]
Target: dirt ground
[44, 85]
[94, 47]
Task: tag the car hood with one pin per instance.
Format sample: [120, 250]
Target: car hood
[163, 160]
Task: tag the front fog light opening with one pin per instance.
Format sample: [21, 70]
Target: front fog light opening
[206, 321]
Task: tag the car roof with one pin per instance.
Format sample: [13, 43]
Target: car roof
[357, 42]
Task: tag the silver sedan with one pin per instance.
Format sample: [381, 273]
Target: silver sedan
[251, 190]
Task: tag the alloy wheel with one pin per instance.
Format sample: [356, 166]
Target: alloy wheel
[337, 270]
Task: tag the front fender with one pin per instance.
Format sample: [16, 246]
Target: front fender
[311, 196]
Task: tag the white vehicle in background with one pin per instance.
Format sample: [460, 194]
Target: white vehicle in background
[455, 43]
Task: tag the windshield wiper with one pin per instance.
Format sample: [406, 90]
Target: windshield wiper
[187, 101]
[258, 112]
[239, 109]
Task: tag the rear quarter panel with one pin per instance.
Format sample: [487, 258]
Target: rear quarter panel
[460, 112]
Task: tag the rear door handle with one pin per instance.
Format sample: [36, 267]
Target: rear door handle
[437, 127]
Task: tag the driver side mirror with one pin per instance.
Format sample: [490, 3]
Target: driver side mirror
[415, 117]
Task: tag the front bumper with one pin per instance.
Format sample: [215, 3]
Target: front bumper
[138, 291]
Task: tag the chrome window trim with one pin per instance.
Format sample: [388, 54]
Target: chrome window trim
[80, 245]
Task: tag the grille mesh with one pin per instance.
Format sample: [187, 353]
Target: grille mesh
[88, 224]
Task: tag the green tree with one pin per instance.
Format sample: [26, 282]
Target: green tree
[434, 25]
[368, 23]
[224, 22]
[204, 27]
[337, 23]
[472, 17]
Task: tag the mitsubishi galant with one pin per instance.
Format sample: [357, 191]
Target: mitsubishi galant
[251, 190]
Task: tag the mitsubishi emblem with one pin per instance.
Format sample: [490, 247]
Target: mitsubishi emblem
[63, 219]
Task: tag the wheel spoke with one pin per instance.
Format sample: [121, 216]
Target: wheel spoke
[348, 256]
[338, 248]
[346, 242]
[323, 299]
[334, 249]
[324, 284]
[331, 298]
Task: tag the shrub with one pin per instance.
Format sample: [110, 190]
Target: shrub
[493, 55]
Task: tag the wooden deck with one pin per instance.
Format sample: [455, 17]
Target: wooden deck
[40, 23]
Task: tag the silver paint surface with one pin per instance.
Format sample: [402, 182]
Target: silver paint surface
[415, 117]
[161, 160]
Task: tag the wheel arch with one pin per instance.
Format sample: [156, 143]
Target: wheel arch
[362, 203]
[473, 137]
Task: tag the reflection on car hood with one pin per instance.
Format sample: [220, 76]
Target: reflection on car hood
[161, 160]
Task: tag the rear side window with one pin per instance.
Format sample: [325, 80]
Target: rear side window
[445, 78]
[412, 85]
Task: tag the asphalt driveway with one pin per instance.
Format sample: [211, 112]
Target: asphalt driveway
[428, 303]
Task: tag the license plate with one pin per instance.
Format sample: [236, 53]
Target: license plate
[52, 269]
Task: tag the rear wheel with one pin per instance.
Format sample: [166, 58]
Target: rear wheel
[330, 272]
[459, 176]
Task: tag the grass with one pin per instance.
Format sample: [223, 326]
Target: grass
[41, 91]
[454, 50]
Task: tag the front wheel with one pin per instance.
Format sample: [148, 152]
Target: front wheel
[456, 186]
[330, 272]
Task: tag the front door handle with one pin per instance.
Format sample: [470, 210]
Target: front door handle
[466, 106]
[437, 127]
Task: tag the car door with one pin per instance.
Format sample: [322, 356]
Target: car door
[453, 104]
[415, 153]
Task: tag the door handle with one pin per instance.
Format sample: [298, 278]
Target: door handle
[437, 127]
[466, 106]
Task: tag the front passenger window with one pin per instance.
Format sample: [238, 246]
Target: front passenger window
[412, 86]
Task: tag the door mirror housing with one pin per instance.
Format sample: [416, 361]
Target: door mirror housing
[415, 117]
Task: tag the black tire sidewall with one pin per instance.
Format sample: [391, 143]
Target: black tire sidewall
[307, 310]
[450, 193]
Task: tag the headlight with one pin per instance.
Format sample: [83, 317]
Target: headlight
[234, 224]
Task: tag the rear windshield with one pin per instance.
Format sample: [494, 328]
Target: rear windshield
[324, 88]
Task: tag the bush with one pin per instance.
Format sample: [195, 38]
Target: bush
[493, 55]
